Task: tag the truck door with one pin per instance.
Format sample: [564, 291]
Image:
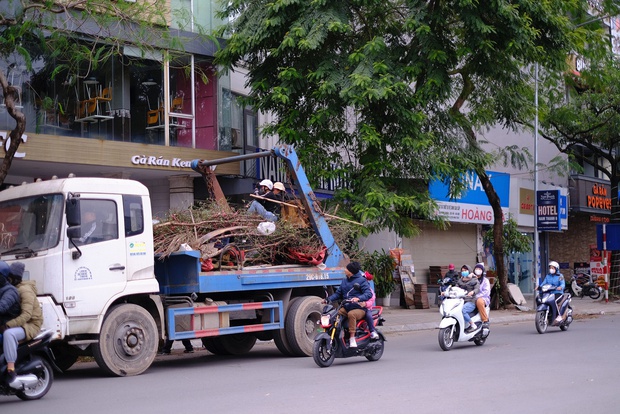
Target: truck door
[100, 272]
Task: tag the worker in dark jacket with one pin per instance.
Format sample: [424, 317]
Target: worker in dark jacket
[9, 297]
[352, 310]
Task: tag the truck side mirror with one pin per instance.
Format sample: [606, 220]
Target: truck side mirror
[72, 211]
[74, 232]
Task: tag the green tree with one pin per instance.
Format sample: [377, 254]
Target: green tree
[389, 92]
[586, 126]
[76, 34]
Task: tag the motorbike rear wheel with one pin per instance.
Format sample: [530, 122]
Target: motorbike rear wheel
[45, 379]
[594, 293]
[375, 356]
[480, 341]
[541, 322]
[321, 355]
[445, 338]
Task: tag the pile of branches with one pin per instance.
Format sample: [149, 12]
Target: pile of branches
[214, 230]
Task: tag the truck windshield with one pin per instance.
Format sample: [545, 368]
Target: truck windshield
[30, 224]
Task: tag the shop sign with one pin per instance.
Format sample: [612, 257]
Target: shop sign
[548, 210]
[160, 161]
[473, 205]
[591, 197]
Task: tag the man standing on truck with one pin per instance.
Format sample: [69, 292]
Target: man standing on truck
[347, 291]
[25, 326]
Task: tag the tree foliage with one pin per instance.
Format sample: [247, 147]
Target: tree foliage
[79, 35]
[390, 94]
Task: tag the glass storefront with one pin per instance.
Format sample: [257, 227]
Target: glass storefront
[519, 266]
[128, 98]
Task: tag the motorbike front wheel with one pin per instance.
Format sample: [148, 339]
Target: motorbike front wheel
[542, 323]
[445, 338]
[45, 378]
[322, 356]
[594, 293]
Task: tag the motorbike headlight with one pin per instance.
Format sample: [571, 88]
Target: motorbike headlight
[324, 320]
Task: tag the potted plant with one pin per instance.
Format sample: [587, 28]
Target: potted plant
[381, 265]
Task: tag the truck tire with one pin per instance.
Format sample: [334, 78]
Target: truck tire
[238, 344]
[279, 336]
[128, 341]
[302, 320]
[213, 345]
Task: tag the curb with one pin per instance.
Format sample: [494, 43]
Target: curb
[526, 316]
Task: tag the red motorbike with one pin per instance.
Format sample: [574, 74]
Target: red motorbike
[333, 342]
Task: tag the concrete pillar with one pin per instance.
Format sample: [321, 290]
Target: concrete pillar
[181, 192]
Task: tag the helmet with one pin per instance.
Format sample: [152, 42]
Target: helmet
[451, 266]
[279, 186]
[266, 183]
[4, 268]
[555, 265]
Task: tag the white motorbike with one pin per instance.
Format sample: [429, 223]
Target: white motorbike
[452, 326]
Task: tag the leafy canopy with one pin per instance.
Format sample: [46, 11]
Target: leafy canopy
[388, 94]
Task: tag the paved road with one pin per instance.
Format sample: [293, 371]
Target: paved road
[516, 371]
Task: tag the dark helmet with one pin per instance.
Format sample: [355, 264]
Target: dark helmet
[4, 268]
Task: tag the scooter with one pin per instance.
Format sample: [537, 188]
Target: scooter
[546, 309]
[33, 367]
[583, 285]
[452, 326]
[333, 342]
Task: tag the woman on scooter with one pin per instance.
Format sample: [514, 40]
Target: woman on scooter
[483, 298]
[555, 278]
[470, 284]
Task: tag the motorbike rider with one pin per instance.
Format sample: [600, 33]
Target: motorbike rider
[555, 278]
[352, 310]
[465, 270]
[368, 307]
[470, 284]
[26, 325]
[483, 298]
[9, 297]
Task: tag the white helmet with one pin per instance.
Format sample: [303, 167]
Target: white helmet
[279, 186]
[266, 183]
[555, 265]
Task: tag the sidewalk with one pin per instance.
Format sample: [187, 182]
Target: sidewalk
[402, 320]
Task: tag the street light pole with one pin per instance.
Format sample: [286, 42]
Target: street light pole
[536, 240]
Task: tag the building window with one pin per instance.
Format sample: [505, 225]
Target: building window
[128, 98]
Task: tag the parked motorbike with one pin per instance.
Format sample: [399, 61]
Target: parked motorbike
[546, 309]
[583, 285]
[33, 367]
[333, 342]
[452, 326]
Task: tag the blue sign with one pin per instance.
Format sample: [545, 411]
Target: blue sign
[474, 193]
[612, 236]
[548, 210]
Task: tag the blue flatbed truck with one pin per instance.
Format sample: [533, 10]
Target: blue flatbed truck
[111, 298]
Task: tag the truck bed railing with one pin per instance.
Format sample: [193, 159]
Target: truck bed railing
[213, 320]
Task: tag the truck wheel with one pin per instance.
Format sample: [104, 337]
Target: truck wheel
[302, 320]
[279, 336]
[64, 355]
[238, 344]
[128, 341]
[214, 346]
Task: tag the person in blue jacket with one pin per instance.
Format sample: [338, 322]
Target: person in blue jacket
[555, 278]
[352, 310]
[9, 297]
